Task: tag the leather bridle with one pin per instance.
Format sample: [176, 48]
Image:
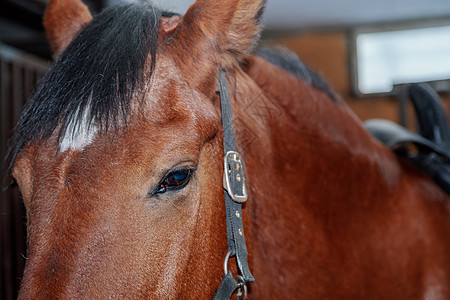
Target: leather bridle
[235, 194]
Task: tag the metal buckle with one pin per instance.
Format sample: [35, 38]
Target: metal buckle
[241, 292]
[241, 288]
[234, 178]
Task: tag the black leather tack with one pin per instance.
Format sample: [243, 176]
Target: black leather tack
[226, 288]
[235, 229]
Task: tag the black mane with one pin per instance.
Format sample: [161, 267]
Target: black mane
[289, 61]
[95, 77]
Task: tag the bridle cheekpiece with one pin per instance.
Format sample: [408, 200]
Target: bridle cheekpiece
[235, 192]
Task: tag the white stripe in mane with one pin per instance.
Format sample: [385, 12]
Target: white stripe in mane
[78, 135]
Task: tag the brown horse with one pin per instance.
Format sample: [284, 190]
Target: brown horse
[119, 158]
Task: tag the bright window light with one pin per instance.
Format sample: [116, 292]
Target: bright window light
[414, 55]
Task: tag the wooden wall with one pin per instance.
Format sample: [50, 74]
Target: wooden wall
[327, 52]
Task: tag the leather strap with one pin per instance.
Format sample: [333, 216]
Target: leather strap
[227, 288]
[428, 156]
[235, 229]
[430, 114]
[395, 136]
[227, 114]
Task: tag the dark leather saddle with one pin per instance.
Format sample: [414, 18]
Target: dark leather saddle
[429, 149]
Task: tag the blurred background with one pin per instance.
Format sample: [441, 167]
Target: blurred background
[367, 50]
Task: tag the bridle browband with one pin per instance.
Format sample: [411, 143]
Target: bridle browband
[235, 194]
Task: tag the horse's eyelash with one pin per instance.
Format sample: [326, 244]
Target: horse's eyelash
[155, 190]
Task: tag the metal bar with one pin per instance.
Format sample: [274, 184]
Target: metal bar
[17, 94]
[10, 54]
[5, 203]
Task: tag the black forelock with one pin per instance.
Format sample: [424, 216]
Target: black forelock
[95, 77]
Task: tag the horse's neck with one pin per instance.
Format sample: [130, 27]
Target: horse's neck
[309, 162]
[322, 192]
[302, 131]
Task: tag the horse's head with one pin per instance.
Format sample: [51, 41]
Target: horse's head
[118, 155]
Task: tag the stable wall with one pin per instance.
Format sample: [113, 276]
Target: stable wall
[328, 54]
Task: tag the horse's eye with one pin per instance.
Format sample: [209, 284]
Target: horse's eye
[175, 180]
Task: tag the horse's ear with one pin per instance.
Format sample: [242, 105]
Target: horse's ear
[63, 19]
[229, 29]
